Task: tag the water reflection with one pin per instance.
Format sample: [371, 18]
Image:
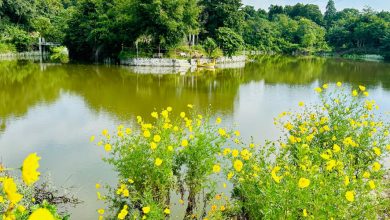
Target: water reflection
[53, 109]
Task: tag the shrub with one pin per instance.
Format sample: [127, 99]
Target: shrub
[170, 155]
[327, 165]
[229, 41]
[59, 54]
[7, 48]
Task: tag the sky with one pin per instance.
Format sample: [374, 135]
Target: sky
[377, 5]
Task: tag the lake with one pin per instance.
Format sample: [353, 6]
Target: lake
[53, 109]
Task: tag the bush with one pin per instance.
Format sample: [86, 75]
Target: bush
[229, 41]
[7, 48]
[160, 158]
[59, 54]
[327, 165]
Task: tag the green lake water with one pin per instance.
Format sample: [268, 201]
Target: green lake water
[53, 109]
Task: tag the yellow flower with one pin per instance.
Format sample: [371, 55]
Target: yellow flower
[216, 168]
[237, 133]
[218, 120]
[226, 151]
[350, 196]
[275, 177]
[154, 114]
[362, 88]
[346, 180]
[222, 132]
[371, 183]
[170, 148]
[325, 86]
[169, 108]
[105, 132]
[130, 181]
[377, 151]
[182, 114]
[190, 106]
[122, 215]
[376, 166]
[107, 147]
[222, 208]
[336, 148]
[167, 211]
[245, 154]
[304, 213]
[238, 165]
[354, 93]
[158, 162]
[156, 138]
[366, 175]
[146, 133]
[301, 104]
[29, 170]
[41, 214]
[126, 193]
[92, 138]
[97, 185]
[146, 209]
[318, 90]
[153, 145]
[101, 211]
[230, 175]
[184, 143]
[366, 94]
[303, 183]
[339, 84]
[164, 113]
[9, 187]
[235, 153]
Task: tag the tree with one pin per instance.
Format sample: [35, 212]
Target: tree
[330, 13]
[308, 11]
[221, 13]
[210, 46]
[274, 10]
[229, 41]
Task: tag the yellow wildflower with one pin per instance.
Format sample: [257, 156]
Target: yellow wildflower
[235, 153]
[354, 93]
[325, 86]
[245, 154]
[350, 196]
[107, 147]
[153, 145]
[377, 151]
[41, 214]
[147, 133]
[190, 106]
[216, 168]
[301, 104]
[346, 180]
[156, 138]
[29, 170]
[105, 132]
[184, 143]
[303, 183]
[167, 211]
[92, 138]
[230, 175]
[339, 84]
[336, 148]
[146, 209]
[169, 109]
[222, 132]
[158, 162]
[304, 213]
[318, 90]
[274, 176]
[376, 166]
[101, 211]
[366, 175]
[123, 213]
[97, 185]
[182, 114]
[218, 120]
[238, 165]
[9, 187]
[154, 114]
[226, 151]
[362, 88]
[371, 183]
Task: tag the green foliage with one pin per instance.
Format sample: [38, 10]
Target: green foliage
[326, 165]
[171, 154]
[229, 41]
[18, 37]
[59, 54]
[7, 48]
[330, 13]
[210, 46]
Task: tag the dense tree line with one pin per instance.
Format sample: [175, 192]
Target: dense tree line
[94, 29]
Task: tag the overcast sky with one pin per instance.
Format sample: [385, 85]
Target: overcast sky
[340, 4]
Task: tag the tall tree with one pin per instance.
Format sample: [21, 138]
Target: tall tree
[221, 13]
[330, 13]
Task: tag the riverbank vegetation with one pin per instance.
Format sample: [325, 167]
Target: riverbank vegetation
[327, 164]
[96, 29]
